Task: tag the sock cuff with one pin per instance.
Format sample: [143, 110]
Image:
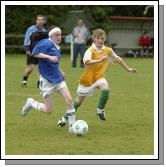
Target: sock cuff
[40, 106]
[99, 111]
[105, 91]
[70, 112]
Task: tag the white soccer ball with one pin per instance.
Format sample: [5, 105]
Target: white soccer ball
[80, 127]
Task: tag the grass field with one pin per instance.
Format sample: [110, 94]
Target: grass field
[129, 125]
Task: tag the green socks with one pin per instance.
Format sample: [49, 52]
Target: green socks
[76, 105]
[102, 102]
[103, 99]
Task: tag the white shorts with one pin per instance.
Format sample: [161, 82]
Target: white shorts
[88, 91]
[48, 88]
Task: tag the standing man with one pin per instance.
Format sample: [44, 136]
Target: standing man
[81, 35]
[31, 61]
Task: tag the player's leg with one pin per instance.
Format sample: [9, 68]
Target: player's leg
[82, 52]
[45, 107]
[28, 70]
[77, 102]
[69, 106]
[47, 89]
[38, 82]
[103, 100]
[75, 55]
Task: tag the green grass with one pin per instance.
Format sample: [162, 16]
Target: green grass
[129, 125]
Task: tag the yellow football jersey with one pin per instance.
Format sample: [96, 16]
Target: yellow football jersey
[94, 72]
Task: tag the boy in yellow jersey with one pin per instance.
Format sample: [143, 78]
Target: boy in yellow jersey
[96, 60]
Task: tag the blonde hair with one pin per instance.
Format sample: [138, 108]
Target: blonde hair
[98, 33]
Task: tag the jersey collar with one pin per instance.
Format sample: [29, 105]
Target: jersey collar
[94, 46]
[56, 45]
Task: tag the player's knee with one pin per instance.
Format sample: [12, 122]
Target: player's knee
[104, 86]
[48, 110]
[31, 67]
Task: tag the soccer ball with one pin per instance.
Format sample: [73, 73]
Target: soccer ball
[80, 127]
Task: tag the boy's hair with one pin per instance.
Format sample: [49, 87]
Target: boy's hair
[98, 32]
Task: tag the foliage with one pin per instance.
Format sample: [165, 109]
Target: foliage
[19, 17]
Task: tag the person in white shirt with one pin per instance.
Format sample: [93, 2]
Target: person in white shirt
[81, 35]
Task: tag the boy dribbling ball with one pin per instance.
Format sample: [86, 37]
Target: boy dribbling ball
[96, 60]
[51, 77]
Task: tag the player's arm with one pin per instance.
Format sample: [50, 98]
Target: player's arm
[119, 60]
[88, 58]
[27, 41]
[74, 32]
[90, 62]
[126, 67]
[45, 56]
[40, 50]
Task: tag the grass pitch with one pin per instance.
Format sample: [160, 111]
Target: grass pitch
[129, 111]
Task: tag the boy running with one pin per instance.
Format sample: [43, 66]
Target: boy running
[51, 77]
[96, 60]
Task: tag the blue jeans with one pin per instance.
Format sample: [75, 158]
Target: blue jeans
[78, 48]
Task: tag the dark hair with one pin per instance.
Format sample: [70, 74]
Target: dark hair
[39, 15]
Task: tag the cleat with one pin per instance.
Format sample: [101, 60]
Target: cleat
[24, 84]
[62, 122]
[101, 114]
[26, 107]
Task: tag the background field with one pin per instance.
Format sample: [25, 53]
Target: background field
[129, 125]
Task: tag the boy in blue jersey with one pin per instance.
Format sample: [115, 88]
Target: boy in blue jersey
[51, 77]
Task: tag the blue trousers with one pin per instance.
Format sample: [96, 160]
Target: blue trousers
[78, 48]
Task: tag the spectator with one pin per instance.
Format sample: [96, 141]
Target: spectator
[144, 41]
[81, 35]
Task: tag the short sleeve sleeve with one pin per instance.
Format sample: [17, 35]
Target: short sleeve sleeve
[114, 58]
[87, 56]
[41, 47]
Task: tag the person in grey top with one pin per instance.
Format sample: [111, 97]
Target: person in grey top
[81, 35]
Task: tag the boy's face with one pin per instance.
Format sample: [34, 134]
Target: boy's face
[56, 37]
[99, 40]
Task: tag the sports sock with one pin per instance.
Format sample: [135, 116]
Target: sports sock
[103, 99]
[71, 116]
[76, 105]
[36, 105]
[25, 78]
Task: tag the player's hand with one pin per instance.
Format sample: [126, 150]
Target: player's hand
[28, 53]
[104, 58]
[132, 70]
[53, 59]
